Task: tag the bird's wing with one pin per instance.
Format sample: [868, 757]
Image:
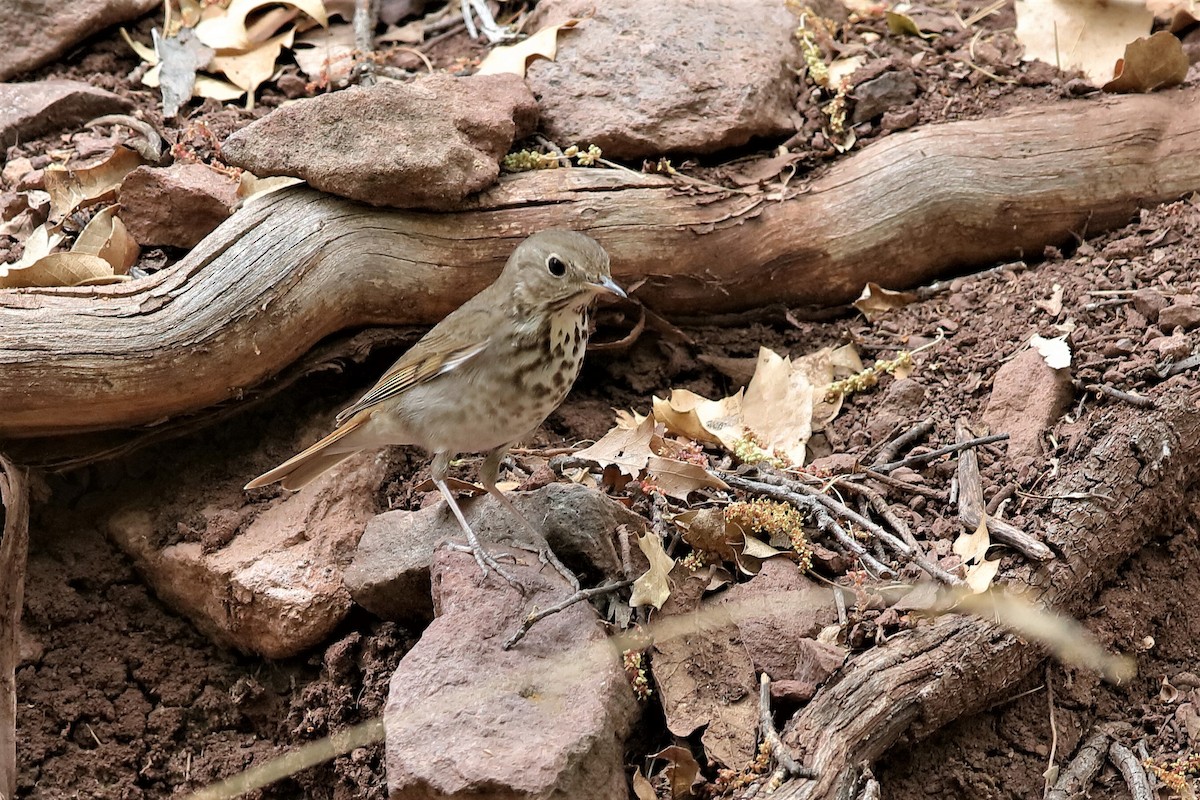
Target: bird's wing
[441, 350]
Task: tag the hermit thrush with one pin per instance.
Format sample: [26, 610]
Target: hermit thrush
[482, 378]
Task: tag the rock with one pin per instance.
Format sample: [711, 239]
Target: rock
[1183, 314]
[1028, 396]
[1149, 302]
[547, 719]
[1175, 347]
[1126, 247]
[177, 205]
[426, 144]
[642, 79]
[900, 406]
[890, 90]
[779, 613]
[37, 33]
[275, 588]
[28, 110]
[390, 572]
[900, 119]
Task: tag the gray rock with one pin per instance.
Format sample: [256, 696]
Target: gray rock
[426, 144]
[390, 572]
[28, 110]
[643, 79]
[890, 90]
[465, 718]
[177, 205]
[37, 33]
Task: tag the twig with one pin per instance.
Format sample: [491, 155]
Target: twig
[971, 507]
[1131, 770]
[830, 526]
[993, 506]
[1051, 767]
[787, 765]
[921, 458]
[1138, 400]
[578, 597]
[905, 486]
[904, 442]
[14, 549]
[366, 12]
[1077, 778]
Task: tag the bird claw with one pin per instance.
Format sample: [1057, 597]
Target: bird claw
[547, 557]
[487, 23]
[487, 562]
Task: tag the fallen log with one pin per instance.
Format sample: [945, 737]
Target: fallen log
[1122, 494]
[297, 266]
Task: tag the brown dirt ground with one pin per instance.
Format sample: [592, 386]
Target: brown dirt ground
[120, 698]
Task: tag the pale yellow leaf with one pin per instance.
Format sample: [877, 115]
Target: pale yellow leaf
[1056, 351]
[71, 188]
[105, 236]
[516, 57]
[629, 419]
[679, 479]
[702, 420]
[216, 89]
[973, 546]
[682, 771]
[627, 449]
[652, 588]
[37, 246]
[875, 300]
[228, 31]
[1088, 35]
[1154, 62]
[58, 269]
[247, 70]
[144, 51]
[250, 186]
[979, 576]
[326, 53]
[642, 789]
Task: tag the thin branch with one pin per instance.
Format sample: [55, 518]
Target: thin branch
[788, 766]
[578, 597]
[1132, 770]
[904, 442]
[922, 458]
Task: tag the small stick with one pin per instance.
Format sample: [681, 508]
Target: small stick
[366, 13]
[999, 497]
[971, 508]
[904, 442]
[827, 523]
[921, 458]
[905, 486]
[1138, 400]
[578, 597]
[788, 766]
[1131, 770]
[1082, 770]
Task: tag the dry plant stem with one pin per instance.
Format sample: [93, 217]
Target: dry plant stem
[1141, 401]
[14, 548]
[1144, 461]
[1131, 770]
[904, 442]
[366, 14]
[923, 458]
[289, 269]
[971, 507]
[1076, 780]
[829, 525]
[790, 767]
[905, 486]
[578, 597]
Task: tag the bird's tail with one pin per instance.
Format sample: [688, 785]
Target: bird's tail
[303, 467]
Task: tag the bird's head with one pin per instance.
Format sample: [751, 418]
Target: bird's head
[558, 268]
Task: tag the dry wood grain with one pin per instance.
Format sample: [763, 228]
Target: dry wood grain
[298, 266]
[14, 548]
[1137, 476]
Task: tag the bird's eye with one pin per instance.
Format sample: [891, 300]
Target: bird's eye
[557, 267]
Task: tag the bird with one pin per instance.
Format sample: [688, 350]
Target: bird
[480, 380]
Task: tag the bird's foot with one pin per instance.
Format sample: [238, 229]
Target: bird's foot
[546, 557]
[487, 563]
[487, 23]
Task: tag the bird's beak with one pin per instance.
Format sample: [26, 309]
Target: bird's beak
[607, 286]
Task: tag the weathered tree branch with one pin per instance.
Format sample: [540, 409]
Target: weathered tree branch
[1137, 475]
[298, 266]
[14, 548]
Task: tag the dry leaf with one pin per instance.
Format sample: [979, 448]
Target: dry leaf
[59, 269]
[326, 54]
[71, 188]
[514, 58]
[902, 23]
[1155, 62]
[706, 529]
[875, 300]
[652, 588]
[843, 68]
[228, 31]
[642, 789]
[1089, 36]
[679, 479]
[702, 420]
[178, 60]
[105, 236]
[1056, 351]
[682, 771]
[973, 546]
[1054, 305]
[216, 89]
[627, 449]
[247, 70]
[38, 245]
[250, 186]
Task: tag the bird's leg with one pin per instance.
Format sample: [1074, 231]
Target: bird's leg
[485, 560]
[488, 473]
[487, 23]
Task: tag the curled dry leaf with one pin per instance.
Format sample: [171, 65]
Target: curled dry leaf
[326, 53]
[228, 31]
[903, 24]
[251, 186]
[247, 70]
[70, 189]
[679, 479]
[973, 547]
[1154, 62]
[652, 588]
[706, 529]
[875, 300]
[682, 771]
[105, 236]
[642, 789]
[60, 269]
[516, 57]
[627, 449]
[1089, 36]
